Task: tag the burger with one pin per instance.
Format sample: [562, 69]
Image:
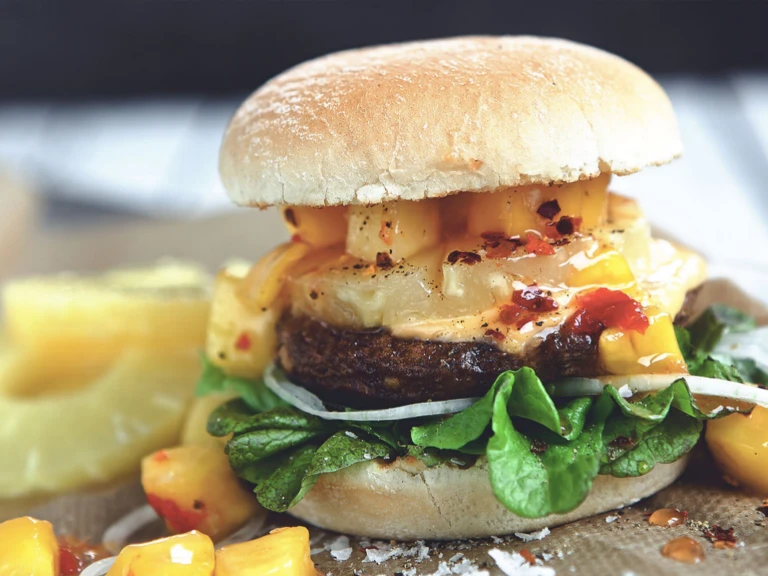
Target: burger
[468, 334]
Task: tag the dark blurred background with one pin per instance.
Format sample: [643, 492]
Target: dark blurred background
[114, 109]
[71, 49]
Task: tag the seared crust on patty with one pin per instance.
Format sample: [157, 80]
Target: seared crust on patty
[361, 368]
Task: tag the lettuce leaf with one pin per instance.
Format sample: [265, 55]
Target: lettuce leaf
[253, 392]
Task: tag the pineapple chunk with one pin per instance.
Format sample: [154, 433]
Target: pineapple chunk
[241, 339]
[96, 433]
[319, 227]
[64, 316]
[264, 282]
[515, 211]
[188, 554]
[397, 229]
[194, 488]
[196, 425]
[28, 547]
[283, 552]
[606, 267]
[655, 352]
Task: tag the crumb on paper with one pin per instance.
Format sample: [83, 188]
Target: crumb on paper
[531, 536]
[380, 552]
[513, 564]
[610, 519]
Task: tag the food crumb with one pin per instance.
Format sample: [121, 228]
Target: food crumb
[531, 536]
[610, 519]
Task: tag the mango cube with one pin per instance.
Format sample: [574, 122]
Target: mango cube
[283, 552]
[655, 352]
[319, 227]
[28, 547]
[188, 554]
[194, 488]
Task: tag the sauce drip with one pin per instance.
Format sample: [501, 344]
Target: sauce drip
[684, 549]
[76, 555]
[526, 304]
[604, 308]
[668, 517]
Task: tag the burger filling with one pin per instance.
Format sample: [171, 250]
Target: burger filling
[471, 315]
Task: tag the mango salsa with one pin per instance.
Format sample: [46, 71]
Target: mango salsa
[188, 554]
[28, 547]
[283, 552]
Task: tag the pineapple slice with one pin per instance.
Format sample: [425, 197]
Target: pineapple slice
[517, 210]
[28, 546]
[194, 488]
[161, 307]
[283, 552]
[97, 433]
[188, 554]
[241, 338]
[319, 227]
[264, 282]
[396, 229]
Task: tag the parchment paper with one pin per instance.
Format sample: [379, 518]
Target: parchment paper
[616, 543]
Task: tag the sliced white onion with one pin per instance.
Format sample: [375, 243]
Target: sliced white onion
[752, 344]
[99, 568]
[119, 534]
[640, 383]
[306, 401]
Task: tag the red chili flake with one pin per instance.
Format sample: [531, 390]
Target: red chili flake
[177, 519]
[536, 245]
[513, 314]
[468, 258]
[568, 225]
[538, 446]
[295, 238]
[160, 456]
[530, 558]
[384, 260]
[498, 251]
[549, 209]
[493, 236]
[385, 232]
[604, 308]
[720, 537]
[534, 299]
[622, 442]
[290, 217]
[243, 342]
[495, 334]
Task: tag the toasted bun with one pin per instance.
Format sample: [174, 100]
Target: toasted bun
[427, 119]
[405, 500]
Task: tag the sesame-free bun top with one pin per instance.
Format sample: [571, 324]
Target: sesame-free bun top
[427, 119]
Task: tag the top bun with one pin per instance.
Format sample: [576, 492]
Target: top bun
[427, 119]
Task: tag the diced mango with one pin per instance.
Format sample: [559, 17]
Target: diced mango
[188, 554]
[264, 282]
[195, 430]
[283, 552]
[607, 267]
[28, 547]
[515, 211]
[194, 488]
[396, 229]
[319, 227]
[241, 338]
[655, 352]
[739, 445]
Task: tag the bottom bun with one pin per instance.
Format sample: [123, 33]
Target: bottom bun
[405, 500]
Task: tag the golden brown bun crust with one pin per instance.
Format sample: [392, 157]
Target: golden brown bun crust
[405, 500]
[426, 119]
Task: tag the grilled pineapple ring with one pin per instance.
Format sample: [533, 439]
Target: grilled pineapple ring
[96, 372]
